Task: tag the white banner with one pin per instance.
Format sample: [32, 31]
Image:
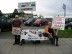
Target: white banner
[33, 35]
[58, 23]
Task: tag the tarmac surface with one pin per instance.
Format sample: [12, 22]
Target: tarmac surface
[7, 47]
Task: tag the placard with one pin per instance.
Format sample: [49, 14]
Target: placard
[58, 23]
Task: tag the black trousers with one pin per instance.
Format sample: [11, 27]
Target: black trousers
[53, 39]
[17, 39]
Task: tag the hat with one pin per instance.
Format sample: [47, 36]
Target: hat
[16, 16]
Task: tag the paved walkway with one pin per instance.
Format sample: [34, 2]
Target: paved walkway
[65, 47]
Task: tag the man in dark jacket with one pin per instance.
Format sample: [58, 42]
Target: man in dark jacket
[16, 29]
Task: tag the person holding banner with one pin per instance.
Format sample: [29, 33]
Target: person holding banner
[50, 33]
[16, 29]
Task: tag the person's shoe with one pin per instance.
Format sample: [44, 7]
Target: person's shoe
[20, 44]
[14, 44]
[57, 45]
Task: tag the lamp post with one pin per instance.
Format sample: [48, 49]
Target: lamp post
[64, 8]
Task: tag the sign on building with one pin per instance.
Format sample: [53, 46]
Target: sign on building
[27, 6]
[58, 23]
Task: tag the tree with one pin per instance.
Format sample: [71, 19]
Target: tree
[1, 14]
[40, 16]
[15, 13]
[21, 13]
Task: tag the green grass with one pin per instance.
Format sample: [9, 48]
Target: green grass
[6, 33]
[65, 33]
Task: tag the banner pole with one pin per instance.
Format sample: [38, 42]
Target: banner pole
[57, 32]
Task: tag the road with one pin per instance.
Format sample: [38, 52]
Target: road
[65, 47]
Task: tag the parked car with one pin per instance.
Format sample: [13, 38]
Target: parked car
[40, 22]
[23, 19]
[68, 25]
[49, 19]
[30, 22]
[5, 24]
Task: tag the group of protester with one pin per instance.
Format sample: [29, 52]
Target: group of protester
[48, 31]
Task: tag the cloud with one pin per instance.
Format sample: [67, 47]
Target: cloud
[54, 7]
[44, 7]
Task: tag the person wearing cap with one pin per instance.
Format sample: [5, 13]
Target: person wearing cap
[51, 34]
[16, 29]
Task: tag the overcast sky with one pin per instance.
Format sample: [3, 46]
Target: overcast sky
[43, 7]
